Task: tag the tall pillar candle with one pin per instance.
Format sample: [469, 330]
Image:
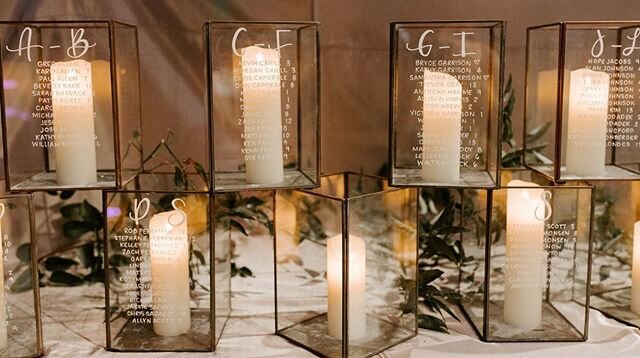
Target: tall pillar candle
[524, 266]
[587, 122]
[635, 270]
[169, 244]
[357, 310]
[262, 115]
[441, 127]
[73, 124]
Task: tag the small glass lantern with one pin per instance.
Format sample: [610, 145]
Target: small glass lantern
[346, 266]
[615, 273]
[168, 280]
[71, 104]
[263, 104]
[581, 111]
[446, 103]
[528, 257]
[20, 322]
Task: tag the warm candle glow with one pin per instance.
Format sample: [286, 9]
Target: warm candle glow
[587, 122]
[73, 123]
[441, 128]
[357, 309]
[169, 244]
[524, 267]
[286, 238]
[262, 115]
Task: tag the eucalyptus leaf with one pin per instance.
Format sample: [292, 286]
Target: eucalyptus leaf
[66, 279]
[119, 260]
[24, 282]
[73, 229]
[23, 252]
[432, 323]
[179, 179]
[59, 263]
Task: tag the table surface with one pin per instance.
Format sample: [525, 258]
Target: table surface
[73, 325]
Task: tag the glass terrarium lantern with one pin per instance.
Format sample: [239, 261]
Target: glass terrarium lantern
[168, 280]
[70, 104]
[346, 265]
[581, 112]
[529, 244]
[446, 103]
[20, 322]
[615, 278]
[263, 104]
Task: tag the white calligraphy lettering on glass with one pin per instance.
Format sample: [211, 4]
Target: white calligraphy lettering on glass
[598, 45]
[279, 44]
[79, 45]
[136, 209]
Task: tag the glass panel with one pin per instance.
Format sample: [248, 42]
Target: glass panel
[263, 104]
[617, 209]
[471, 278]
[543, 46]
[20, 334]
[222, 275]
[458, 99]
[304, 223]
[127, 79]
[382, 272]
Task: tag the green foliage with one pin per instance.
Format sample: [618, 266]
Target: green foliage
[514, 157]
[235, 212]
[439, 243]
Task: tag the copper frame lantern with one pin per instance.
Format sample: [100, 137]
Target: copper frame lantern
[530, 249]
[445, 103]
[581, 101]
[345, 265]
[263, 104]
[167, 277]
[70, 104]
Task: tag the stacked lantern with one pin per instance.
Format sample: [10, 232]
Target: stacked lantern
[581, 120]
[527, 240]
[70, 106]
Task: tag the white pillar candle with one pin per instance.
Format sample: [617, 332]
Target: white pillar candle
[587, 122]
[441, 127]
[262, 115]
[73, 125]
[524, 266]
[169, 244]
[286, 238]
[357, 309]
[635, 270]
